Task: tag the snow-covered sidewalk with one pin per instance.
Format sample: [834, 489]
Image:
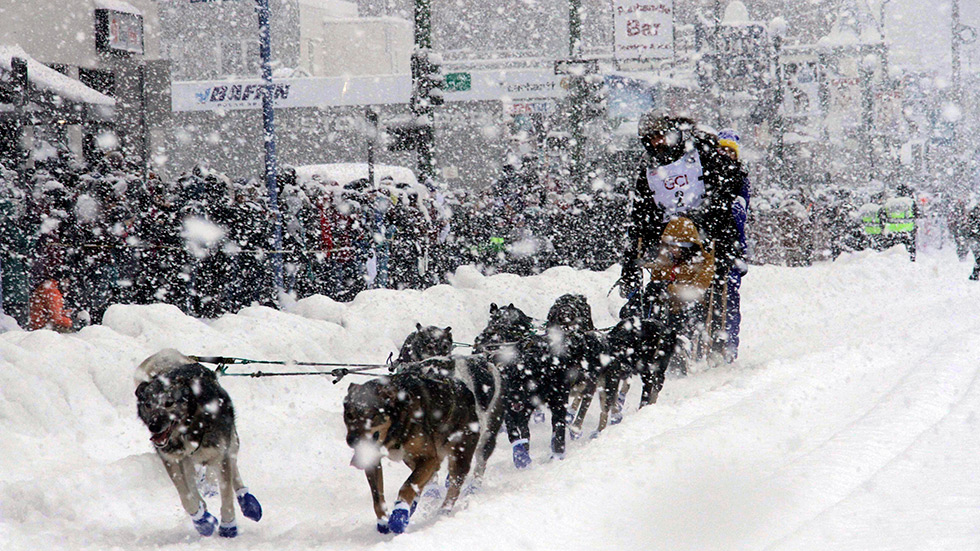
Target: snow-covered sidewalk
[849, 422]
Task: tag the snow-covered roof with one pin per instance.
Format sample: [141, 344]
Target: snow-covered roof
[344, 173]
[118, 5]
[46, 78]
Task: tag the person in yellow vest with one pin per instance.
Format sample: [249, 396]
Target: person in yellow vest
[899, 222]
[871, 224]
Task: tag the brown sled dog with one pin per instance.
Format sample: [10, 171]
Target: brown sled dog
[420, 419]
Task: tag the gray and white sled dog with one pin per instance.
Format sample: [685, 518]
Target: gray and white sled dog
[192, 424]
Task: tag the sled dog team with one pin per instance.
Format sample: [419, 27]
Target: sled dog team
[433, 406]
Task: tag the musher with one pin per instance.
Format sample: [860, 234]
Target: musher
[682, 173]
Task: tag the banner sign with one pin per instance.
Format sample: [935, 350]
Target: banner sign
[292, 92]
[517, 86]
[644, 29]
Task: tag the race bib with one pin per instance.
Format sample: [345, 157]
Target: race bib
[679, 186]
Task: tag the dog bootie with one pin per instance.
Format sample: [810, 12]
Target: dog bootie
[615, 418]
[432, 491]
[250, 506]
[557, 456]
[621, 400]
[204, 521]
[472, 488]
[538, 417]
[398, 521]
[522, 456]
[383, 525]
[205, 486]
[229, 530]
[574, 433]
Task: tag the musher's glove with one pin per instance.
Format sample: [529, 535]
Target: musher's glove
[630, 281]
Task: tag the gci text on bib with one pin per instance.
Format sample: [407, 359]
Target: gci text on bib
[679, 186]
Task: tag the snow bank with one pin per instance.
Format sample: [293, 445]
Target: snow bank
[846, 386]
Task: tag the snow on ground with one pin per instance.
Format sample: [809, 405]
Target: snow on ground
[849, 422]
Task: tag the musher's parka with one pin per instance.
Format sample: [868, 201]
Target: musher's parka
[722, 177]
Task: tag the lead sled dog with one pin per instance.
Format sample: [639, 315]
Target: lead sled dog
[192, 423]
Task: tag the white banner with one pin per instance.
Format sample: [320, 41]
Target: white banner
[520, 86]
[644, 29]
[292, 92]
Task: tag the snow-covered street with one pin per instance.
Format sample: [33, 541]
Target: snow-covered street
[848, 422]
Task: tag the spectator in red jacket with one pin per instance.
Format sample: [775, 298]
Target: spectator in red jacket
[47, 308]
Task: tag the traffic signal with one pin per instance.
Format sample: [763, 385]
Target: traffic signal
[588, 95]
[427, 81]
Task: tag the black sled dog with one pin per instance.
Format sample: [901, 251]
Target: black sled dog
[420, 419]
[192, 423]
[428, 350]
[541, 369]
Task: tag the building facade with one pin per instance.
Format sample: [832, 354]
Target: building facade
[110, 46]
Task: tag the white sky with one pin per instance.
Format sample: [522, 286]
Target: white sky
[920, 33]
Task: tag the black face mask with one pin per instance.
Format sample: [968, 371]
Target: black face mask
[665, 154]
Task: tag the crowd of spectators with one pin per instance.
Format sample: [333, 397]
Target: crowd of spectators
[77, 239]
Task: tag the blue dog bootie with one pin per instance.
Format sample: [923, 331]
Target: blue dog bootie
[433, 490]
[538, 417]
[383, 525]
[249, 505]
[228, 530]
[204, 521]
[522, 455]
[398, 520]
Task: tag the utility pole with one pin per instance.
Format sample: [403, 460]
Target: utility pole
[269, 127]
[777, 29]
[577, 95]
[574, 28]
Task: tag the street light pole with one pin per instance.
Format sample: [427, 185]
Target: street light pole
[956, 43]
[424, 114]
[867, 67]
[269, 128]
[881, 23]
